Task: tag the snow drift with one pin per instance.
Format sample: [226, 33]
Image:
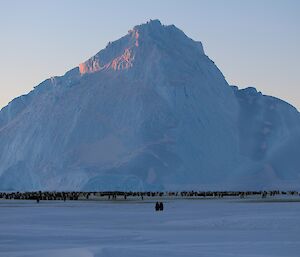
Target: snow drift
[149, 112]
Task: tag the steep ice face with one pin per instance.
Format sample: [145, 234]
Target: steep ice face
[269, 130]
[149, 112]
[267, 119]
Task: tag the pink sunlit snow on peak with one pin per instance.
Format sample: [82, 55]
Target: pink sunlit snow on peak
[119, 55]
[137, 38]
[144, 38]
[89, 67]
[122, 62]
[109, 59]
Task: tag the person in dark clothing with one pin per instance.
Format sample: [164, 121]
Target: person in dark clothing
[161, 206]
[157, 206]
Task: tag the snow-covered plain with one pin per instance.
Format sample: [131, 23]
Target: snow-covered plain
[208, 228]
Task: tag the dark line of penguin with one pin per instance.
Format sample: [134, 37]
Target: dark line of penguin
[118, 195]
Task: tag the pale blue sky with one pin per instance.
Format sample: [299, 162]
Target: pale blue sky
[253, 42]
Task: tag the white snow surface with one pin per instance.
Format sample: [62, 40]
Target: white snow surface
[202, 228]
[149, 112]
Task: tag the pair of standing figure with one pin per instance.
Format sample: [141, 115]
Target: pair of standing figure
[159, 206]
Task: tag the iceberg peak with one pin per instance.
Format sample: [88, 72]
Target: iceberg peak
[141, 40]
